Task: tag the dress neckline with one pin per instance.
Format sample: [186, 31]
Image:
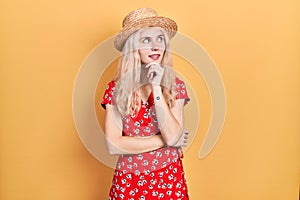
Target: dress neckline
[149, 99]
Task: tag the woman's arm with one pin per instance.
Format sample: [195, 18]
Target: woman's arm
[118, 144]
[170, 121]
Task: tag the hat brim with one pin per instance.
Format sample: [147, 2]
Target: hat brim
[167, 24]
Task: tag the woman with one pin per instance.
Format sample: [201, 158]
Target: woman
[144, 112]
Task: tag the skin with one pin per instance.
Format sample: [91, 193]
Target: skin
[170, 121]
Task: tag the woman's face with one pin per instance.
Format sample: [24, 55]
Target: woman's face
[151, 45]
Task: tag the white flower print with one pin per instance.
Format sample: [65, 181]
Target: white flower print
[132, 193]
[161, 174]
[137, 172]
[145, 162]
[178, 185]
[118, 166]
[155, 162]
[136, 131]
[175, 170]
[147, 129]
[164, 164]
[167, 152]
[128, 176]
[174, 152]
[129, 159]
[140, 157]
[126, 120]
[178, 193]
[169, 192]
[154, 193]
[140, 183]
[153, 181]
[159, 154]
[137, 124]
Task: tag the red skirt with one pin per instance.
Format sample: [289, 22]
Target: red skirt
[166, 183]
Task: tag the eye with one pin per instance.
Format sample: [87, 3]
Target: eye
[145, 40]
[160, 38]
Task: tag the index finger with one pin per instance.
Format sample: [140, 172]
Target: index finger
[152, 63]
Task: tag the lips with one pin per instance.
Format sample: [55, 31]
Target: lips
[154, 56]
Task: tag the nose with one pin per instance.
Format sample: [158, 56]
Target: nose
[154, 46]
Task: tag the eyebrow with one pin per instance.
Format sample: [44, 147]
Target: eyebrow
[160, 35]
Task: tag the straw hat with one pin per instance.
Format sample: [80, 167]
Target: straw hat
[142, 18]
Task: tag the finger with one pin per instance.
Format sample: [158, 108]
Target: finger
[152, 73]
[151, 64]
[148, 65]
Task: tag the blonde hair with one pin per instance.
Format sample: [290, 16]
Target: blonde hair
[128, 74]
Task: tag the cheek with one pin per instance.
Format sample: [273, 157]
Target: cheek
[142, 53]
[162, 46]
[144, 56]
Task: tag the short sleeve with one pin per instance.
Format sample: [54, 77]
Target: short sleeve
[108, 94]
[180, 91]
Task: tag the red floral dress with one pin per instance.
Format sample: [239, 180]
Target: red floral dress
[157, 174]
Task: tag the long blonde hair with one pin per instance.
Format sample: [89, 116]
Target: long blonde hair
[128, 74]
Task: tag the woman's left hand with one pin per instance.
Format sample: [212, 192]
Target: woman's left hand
[155, 73]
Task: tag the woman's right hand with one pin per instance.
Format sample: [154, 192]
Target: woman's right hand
[183, 140]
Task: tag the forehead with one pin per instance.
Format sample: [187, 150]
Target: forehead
[151, 31]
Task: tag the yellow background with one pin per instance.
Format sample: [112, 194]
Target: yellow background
[255, 45]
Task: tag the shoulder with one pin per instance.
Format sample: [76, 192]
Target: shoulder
[181, 91]
[110, 87]
[108, 94]
[179, 82]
